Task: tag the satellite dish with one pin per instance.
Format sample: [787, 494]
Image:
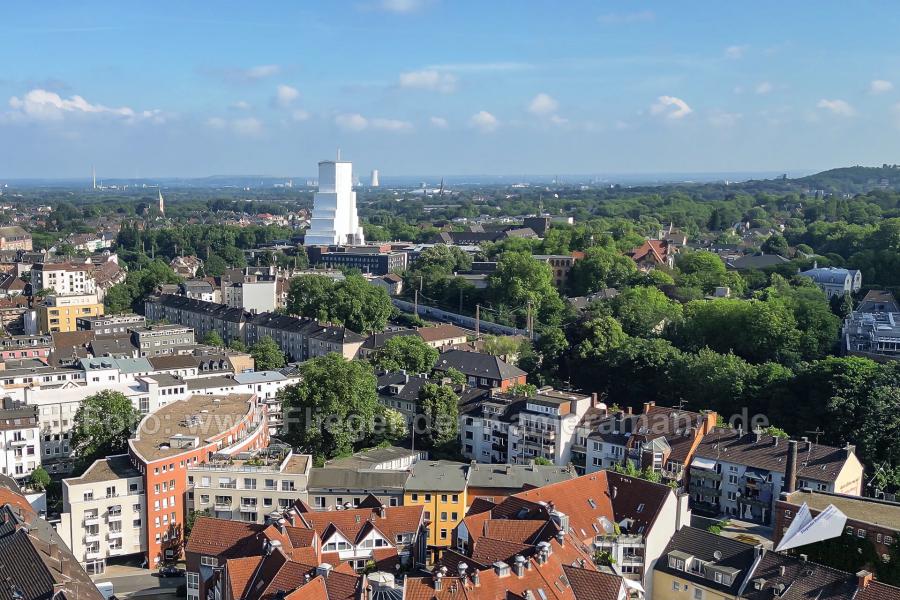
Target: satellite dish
[717, 555]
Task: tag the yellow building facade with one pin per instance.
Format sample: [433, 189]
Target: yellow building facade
[439, 487]
[59, 313]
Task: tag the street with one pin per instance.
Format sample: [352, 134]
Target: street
[136, 582]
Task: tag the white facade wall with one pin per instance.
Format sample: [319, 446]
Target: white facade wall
[20, 451]
[334, 218]
[103, 519]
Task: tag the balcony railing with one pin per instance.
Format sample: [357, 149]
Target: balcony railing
[92, 555]
[91, 520]
[114, 535]
[92, 537]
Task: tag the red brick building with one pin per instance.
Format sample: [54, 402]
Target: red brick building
[182, 434]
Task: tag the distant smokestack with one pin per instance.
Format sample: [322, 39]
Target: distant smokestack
[790, 470]
[375, 178]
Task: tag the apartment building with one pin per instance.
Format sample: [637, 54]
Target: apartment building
[60, 313]
[248, 486]
[443, 336]
[300, 339]
[104, 512]
[157, 340]
[661, 439]
[632, 520]
[440, 488]
[197, 429]
[26, 346]
[560, 266]
[482, 370]
[14, 237]
[348, 482]
[877, 521]
[383, 538]
[504, 428]
[371, 260]
[20, 440]
[495, 482]
[700, 564]
[64, 278]
[743, 474]
[110, 324]
[254, 294]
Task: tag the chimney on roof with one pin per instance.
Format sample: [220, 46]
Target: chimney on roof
[804, 558]
[648, 405]
[462, 569]
[561, 538]
[628, 410]
[849, 450]
[519, 565]
[864, 578]
[476, 580]
[790, 470]
[438, 581]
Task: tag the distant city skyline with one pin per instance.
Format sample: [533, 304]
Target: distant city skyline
[457, 87]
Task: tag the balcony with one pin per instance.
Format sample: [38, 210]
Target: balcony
[118, 551]
[17, 443]
[547, 434]
[114, 535]
[92, 537]
[222, 505]
[91, 520]
[705, 474]
[114, 516]
[705, 490]
[92, 555]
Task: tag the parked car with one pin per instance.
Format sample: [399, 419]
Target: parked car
[170, 571]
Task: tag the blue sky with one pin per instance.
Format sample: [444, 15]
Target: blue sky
[446, 86]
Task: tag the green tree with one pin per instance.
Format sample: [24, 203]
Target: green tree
[393, 426]
[212, 338]
[456, 377]
[40, 479]
[266, 354]
[645, 311]
[118, 299]
[332, 408]
[598, 336]
[352, 302]
[521, 280]
[543, 462]
[501, 345]
[102, 425]
[237, 345]
[440, 406]
[776, 244]
[601, 268]
[407, 352]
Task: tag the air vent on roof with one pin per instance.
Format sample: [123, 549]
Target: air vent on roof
[717, 555]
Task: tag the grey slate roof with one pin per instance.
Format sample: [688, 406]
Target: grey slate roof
[477, 364]
[516, 476]
[437, 476]
[710, 548]
[353, 479]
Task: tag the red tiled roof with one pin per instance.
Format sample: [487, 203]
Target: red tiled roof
[240, 571]
[593, 585]
[519, 531]
[487, 550]
[354, 523]
[314, 590]
[220, 536]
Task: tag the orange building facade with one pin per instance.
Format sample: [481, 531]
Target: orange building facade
[182, 434]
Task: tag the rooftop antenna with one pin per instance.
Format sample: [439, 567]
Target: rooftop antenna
[339, 154]
[816, 432]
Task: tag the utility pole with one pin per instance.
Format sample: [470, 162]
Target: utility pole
[477, 321]
[528, 322]
[416, 303]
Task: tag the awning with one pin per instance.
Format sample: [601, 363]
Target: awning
[704, 463]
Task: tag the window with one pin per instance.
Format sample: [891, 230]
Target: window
[698, 594]
[443, 534]
[415, 497]
[860, 533]
[443, 497]
[454, 498]
[443, 516]
[676, 587]
[209, 561]
[888, 540]
[427, 497]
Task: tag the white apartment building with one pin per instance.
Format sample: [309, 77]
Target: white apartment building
[334, 219]
[253, 296]
[19, 442]
[103, 512]
[517, 429]
[63, 278]
[249, 486]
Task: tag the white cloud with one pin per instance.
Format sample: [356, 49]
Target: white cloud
[837, 107]
[300, 115]
[485, 67]
[671, 107]
[735, 52]
[42, 105]
[261, 71]
[439, 122]
[558, 120]
[626, 18]
[249, 126]
[722, 119]
[880, 86]
[241, 105]
[763, 87]
[391, 125]
[401, 6]
[351, 122]
[429, 79]
[543, 105]
[484, 121]
[285, 95]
